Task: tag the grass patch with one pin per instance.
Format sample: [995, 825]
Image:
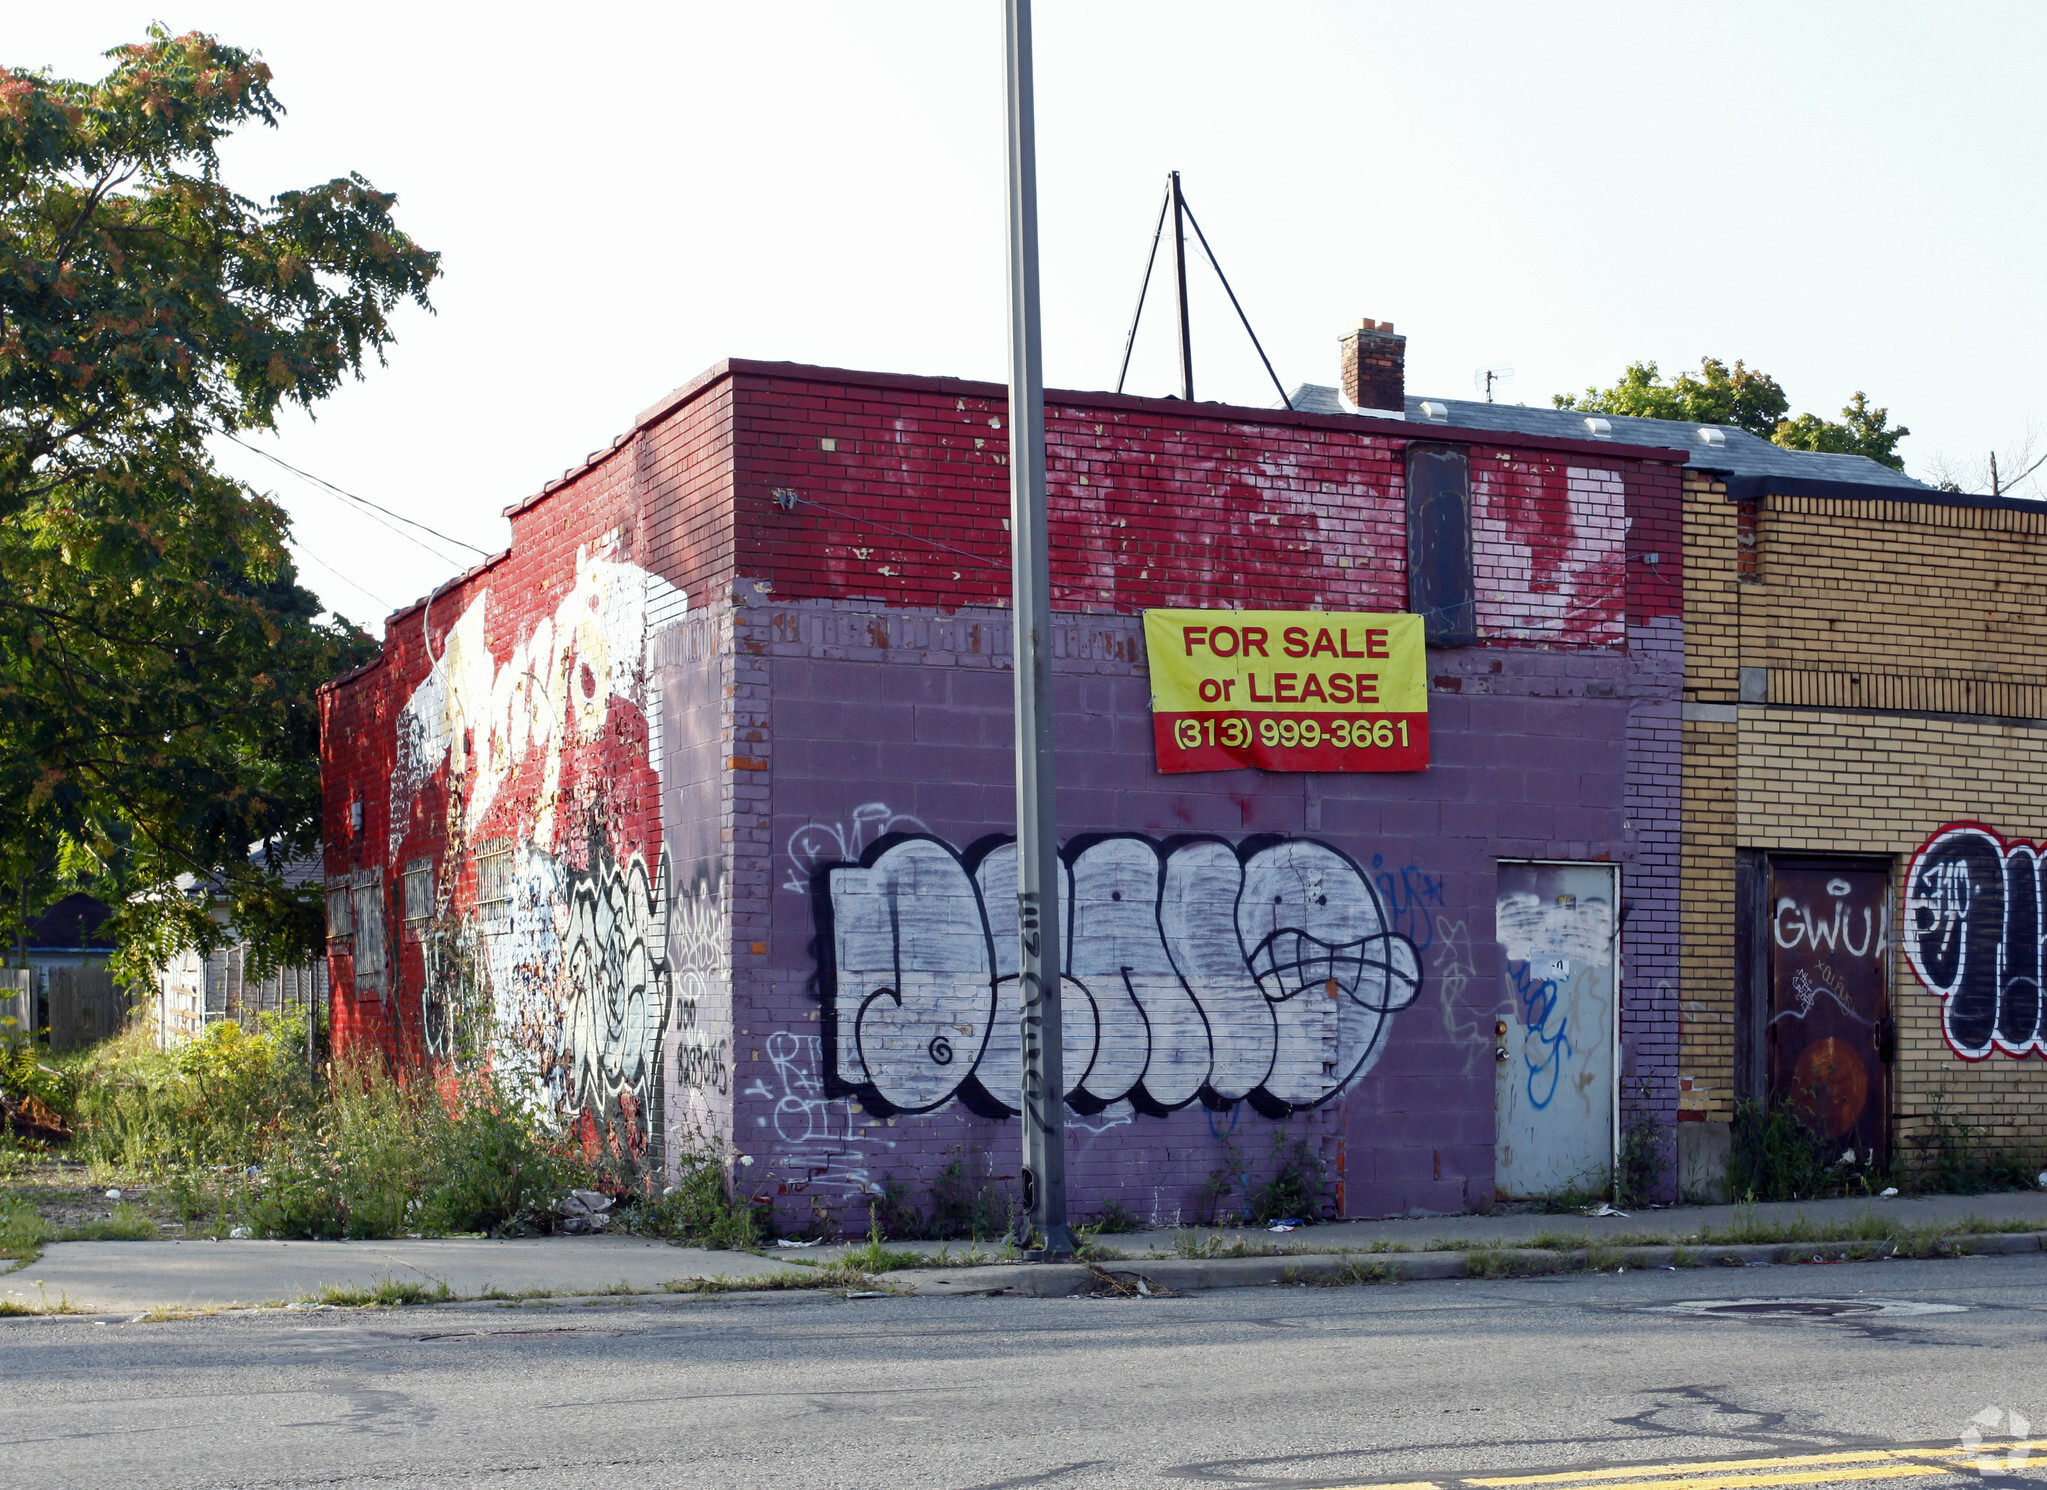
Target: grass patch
[128, 1223]
[1487, 1262]
[1192, 1244]
[21, 1306]
[385, 1293]
[830, 1275]
[24, 1231]
[875, 1258]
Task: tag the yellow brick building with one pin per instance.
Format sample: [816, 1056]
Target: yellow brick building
[1863, 671]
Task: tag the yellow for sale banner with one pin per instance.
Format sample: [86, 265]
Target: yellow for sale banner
[1288, 690]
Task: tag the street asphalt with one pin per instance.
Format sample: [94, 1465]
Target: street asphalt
[130, 1276]
[1710, 1379]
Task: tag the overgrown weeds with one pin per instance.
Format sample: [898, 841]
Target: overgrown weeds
[1774, 1155]
[222, 1098]
[701, 1207]
[1645, 1144]
[1955, 1157]
[1293, 1189]
[1115, 1218]
[383, 1157]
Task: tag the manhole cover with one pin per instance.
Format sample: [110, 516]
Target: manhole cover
[1803, 1308]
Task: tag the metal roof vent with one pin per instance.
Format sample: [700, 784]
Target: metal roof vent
[1437, 412]
[1714, 437]
[1598, 428]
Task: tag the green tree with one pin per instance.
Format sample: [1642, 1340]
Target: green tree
[1860, 430]
[157, 654]
[1749, 399]
[1720, 394]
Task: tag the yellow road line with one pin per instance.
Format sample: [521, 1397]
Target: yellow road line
[1816, 1475]
[1704, 1466]
[1738, 1474]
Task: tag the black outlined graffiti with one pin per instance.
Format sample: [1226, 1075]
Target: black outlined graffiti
[1972, 935]
[1263, 972]
[618, 991]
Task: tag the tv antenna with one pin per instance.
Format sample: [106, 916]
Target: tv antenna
[1487, 377]
[1183, 218]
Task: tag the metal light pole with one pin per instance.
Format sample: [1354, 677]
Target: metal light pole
[1180, 284]
[1037, 831]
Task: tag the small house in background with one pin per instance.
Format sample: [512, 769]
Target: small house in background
[195, 990]
[70, 933]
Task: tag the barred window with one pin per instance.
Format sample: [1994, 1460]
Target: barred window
[494, 873]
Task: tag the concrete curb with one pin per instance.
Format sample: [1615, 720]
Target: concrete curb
[1184, 1275]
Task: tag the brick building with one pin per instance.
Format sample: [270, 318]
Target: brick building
[1866, 776]
[690, 810]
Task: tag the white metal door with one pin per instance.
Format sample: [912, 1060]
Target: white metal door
[1556, 1053]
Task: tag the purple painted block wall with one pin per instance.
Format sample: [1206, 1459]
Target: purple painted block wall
[880, 721]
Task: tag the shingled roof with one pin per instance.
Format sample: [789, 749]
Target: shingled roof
[1725, 449]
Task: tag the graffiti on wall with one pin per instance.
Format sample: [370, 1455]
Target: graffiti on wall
[819, 843]
[1972, 936]
[616, 988]
[1263, 972]
[1545, 939]
[556, 968]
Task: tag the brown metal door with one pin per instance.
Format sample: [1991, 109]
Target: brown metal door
[1829, 945]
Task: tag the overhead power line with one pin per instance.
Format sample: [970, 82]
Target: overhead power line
[362, 501]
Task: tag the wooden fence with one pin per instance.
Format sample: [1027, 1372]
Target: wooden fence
[86, 1007]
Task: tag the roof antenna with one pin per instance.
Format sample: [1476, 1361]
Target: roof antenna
[1183, 217]
[1486, 377]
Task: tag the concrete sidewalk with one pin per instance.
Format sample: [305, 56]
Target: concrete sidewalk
[1675, 1222]
[131, 1276]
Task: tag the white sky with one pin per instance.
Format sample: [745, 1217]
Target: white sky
[1846, 195]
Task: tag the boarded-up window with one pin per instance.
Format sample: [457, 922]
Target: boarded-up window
[340, 914]
[1439, 585]
[367, 895]
[419, 892]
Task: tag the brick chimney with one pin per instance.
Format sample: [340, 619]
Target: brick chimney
[1375, 366]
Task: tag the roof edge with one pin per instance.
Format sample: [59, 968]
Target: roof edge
[1399, 428]
[1749, 488]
